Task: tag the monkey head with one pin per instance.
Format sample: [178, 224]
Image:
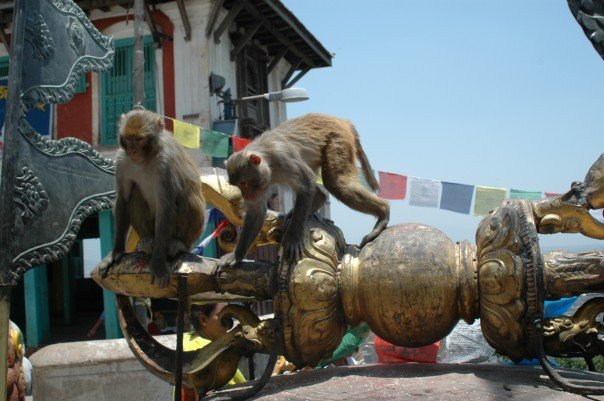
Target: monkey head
[139, 131]
[250, 173]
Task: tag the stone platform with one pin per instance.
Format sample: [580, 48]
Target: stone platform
[422, 381]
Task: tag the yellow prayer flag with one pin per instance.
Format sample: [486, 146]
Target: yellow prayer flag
[319, 177]
[187, 134]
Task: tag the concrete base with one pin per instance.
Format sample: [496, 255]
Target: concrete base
[101, 370]
[107, 371]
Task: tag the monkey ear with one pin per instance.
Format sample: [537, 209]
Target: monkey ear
[255, 159]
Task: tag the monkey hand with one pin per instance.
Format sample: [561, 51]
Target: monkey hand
[228, 260]
[114, 259]
[293, 246]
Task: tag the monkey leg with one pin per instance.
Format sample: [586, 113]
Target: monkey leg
[318, 200]
[349, 190]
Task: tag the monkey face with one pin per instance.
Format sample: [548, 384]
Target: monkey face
[249, 174]
[134, 147]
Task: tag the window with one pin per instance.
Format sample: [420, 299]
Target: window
[252, 80]
[117, 86]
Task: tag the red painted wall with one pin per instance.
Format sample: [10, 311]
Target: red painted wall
[75, 118]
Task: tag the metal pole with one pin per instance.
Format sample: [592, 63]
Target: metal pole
[180, 313]
[9, 162]
[139, 53]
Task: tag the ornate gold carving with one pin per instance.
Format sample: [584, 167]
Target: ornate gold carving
[568, 274]
[569, 213]
[308, 301]
[506, 259]
[577, 335]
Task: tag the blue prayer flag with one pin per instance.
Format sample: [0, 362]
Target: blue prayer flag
[456, 197]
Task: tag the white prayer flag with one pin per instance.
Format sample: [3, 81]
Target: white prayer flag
[422, 192]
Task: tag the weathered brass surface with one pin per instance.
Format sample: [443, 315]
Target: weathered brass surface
[577, 335]
[569, 213]
[568, 274]
[411, 285]
[391, 285]
[510, 268]
[307, 300]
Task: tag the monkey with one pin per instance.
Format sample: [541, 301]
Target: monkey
[159, 192]
[291, 154]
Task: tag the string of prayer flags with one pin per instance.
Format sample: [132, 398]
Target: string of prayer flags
[487, 199]
[456, 197]
[214, 143]
[186, 134]
[392, 186]
[239, 143]
[528, 195]
[423, 192]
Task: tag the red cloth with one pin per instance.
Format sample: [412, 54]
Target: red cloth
[390, 353]
[392, 186]
[239, 143]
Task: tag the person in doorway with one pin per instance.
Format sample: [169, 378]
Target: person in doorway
[206, 328]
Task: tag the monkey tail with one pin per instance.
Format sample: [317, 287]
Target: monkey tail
[365, 166]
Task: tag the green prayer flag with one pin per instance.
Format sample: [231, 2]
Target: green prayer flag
[487, 199]
[214, 143]
[529, 195]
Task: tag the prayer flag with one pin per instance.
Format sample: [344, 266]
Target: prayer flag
[423, 192]
[551, 194]
[214, 143]
[528, 195]
[487, 199]
[239, 143]
[186, 134]
[392, 186]
[456, 197]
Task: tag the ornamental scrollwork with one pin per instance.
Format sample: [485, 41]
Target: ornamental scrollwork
[65, 146]
[46, 253]
[39, 37]
[76, 33]
[30, 196]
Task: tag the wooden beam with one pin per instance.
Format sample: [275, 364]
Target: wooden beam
[290, 72]
[276, 60]
[297, 78]
[278, 8]
[227, 21]
[276, 33]
[185, 19]
[151, 23]
[249, 33]
[216, 7]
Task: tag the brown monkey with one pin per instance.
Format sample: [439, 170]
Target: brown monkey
[158, 192]
[291, 154]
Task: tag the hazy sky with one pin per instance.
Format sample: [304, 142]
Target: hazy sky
[498, 93]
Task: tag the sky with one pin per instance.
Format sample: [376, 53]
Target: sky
[498, 93]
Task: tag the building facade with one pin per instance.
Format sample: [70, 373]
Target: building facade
[257, 46]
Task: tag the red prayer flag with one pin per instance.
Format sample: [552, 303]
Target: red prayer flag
[392, 186]
[239, 143]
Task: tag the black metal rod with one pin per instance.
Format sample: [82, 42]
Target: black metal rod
[180, 315]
